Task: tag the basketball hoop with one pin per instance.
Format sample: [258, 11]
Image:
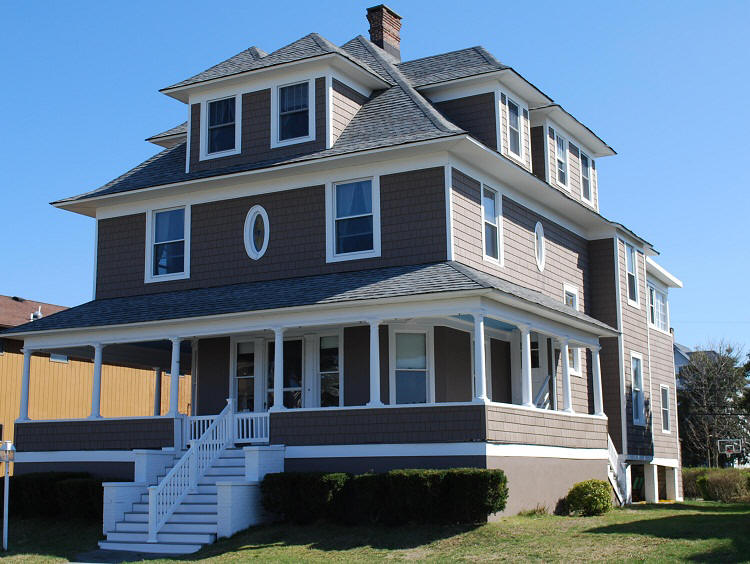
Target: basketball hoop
[730, 447]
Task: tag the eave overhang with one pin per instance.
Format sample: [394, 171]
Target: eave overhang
[574, 127]
[657, 271]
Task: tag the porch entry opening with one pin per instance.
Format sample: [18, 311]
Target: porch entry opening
[292, 374]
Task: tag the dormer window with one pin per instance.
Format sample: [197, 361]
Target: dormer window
[220, 127]
[293, 119]
[586, 178]
[561, 151]
[514, 127]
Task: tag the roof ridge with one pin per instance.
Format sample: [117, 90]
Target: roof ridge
[429, 111]
[487, 56]
[440, 54]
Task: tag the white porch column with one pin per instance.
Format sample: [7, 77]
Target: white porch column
[480, 372]
[651, 482]
[375, 364]
[672, 485]
[278, 370]
[23, 414]
[526, 366]
[174, 381]
[96, 386]
[564, 348]
[596, 371]
[157, 391]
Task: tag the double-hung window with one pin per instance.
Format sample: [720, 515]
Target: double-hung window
[665, 426]
[514, 128]
[354, 226]
[574, 353]
[491, 223]
[636, 373]
[220, 129]
[631, 266]
[586, 191]
[411, 376]
[561, 154]
[293, 117]
[168, 251]
[657, 308]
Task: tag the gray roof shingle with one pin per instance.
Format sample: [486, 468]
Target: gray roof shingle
[176, 130]
[292, 292]
[450, 66]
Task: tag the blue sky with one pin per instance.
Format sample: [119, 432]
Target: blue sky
[664, 83]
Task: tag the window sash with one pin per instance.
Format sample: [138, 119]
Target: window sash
[585, 176]
[221, 119]
[632, 270]
[294, 102]
[665, 409]
[349, 228]
[491, 224]
[561, 151]
[167, 246]
[514, 129]
[636, 370]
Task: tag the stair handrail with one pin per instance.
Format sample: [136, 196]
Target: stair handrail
[166, 496]
[617, 469]
[542, 390]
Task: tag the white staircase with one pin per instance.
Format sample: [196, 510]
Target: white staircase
[192, 524]
[616, 473]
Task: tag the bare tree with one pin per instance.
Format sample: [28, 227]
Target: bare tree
[710, 396]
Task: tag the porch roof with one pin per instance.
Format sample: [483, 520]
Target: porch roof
[334, 288]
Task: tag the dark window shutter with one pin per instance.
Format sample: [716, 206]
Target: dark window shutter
[551, 133]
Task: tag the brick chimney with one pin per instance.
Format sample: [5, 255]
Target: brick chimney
[385, 25]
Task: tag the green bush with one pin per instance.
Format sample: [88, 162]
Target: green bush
[690, 477]
[465, 495]
[80, 498]
[590, 497]
[37, 494]
[724, 484]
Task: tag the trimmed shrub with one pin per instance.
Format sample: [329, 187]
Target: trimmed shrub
[36, 494]
[724, 484]
[465, 495]
[80, 498]
[690, 477]
[590, 497]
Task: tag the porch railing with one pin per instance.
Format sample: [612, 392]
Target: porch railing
[165, 497]
[250, 427]
[617, 472]
[542, 399]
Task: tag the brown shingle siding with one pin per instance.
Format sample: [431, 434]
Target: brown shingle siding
[476, 114]
[345, 103]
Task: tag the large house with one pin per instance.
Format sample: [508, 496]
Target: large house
[369, 263]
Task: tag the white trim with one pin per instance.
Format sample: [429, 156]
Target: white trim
[620, 347]
[149, 276]
[540, 255]
[657, 289]
[57, 357]
[189, 136]
[662, 274]
[581, 154]
[203, 153]
[331, 255]
[637, 302]
[500, 260]
[449, 211]
[428, 332]
[521, 127]
[96, 257]
[445, 449]
[641, 420]
[669, 462]
[255, 211]
[329, 110]
[275, 131]
[77, 456]
[669, 408]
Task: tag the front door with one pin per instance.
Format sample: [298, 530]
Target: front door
[539, 367]
[248, 390]
[293, 364]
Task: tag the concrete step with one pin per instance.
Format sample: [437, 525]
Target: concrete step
[155, 547]
[191, 498]
[198, 527]
[196, 517]
[184, 507]
[180, 538]
[226, 471]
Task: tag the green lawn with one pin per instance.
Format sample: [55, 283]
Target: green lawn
[696, 531]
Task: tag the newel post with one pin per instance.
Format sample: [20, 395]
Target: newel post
[152, 513]
[193, 466]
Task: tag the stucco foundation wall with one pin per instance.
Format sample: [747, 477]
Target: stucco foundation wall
[543, 481]
[108, 471]
[364, 464]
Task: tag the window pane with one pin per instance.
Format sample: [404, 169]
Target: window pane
[638, 406]
[221, 112]
[488, 201]
[259, 232]
[245, 394]
[293, 98]
[329, 354]
[637, 378]
[169, 258]
[353, 198]
[513, 115]
[490, 241]
[570, 299]
[354, 235]
[329, 390]
[632, 289]
[411, 351]
[515, 142]
[293, 111]
[169, 225]
[221, 138]
[572, 357]
[411, 387]
[293, 399]
[292, 364]
[293, 125]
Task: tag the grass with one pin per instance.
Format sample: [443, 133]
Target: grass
[693, 531]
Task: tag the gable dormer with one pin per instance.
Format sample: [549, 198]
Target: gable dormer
[257, 108]
[564, 153]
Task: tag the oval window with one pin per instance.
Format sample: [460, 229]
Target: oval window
[256, 232]
[539, 247]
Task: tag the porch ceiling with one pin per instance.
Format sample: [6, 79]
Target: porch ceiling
[326, 289]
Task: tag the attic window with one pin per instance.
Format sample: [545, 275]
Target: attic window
[221, 125]
[514, 127]
[292, 120]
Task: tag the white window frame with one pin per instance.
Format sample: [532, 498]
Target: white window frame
[57, 357]
[500, 260]
[331, 255]
[508, 101]
[575, 368]
[641, 419]
[654, 289]
[149, 276]
[637, 302]
[204, 154]
[582, 154]
[275, 106]
[250, 249]
[565, 140]
[428, 331]
[540, 258]
[668, 408]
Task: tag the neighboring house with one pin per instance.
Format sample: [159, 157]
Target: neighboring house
[61, 388]
[422, 242]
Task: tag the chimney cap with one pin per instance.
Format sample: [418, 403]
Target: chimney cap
[384, 7]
